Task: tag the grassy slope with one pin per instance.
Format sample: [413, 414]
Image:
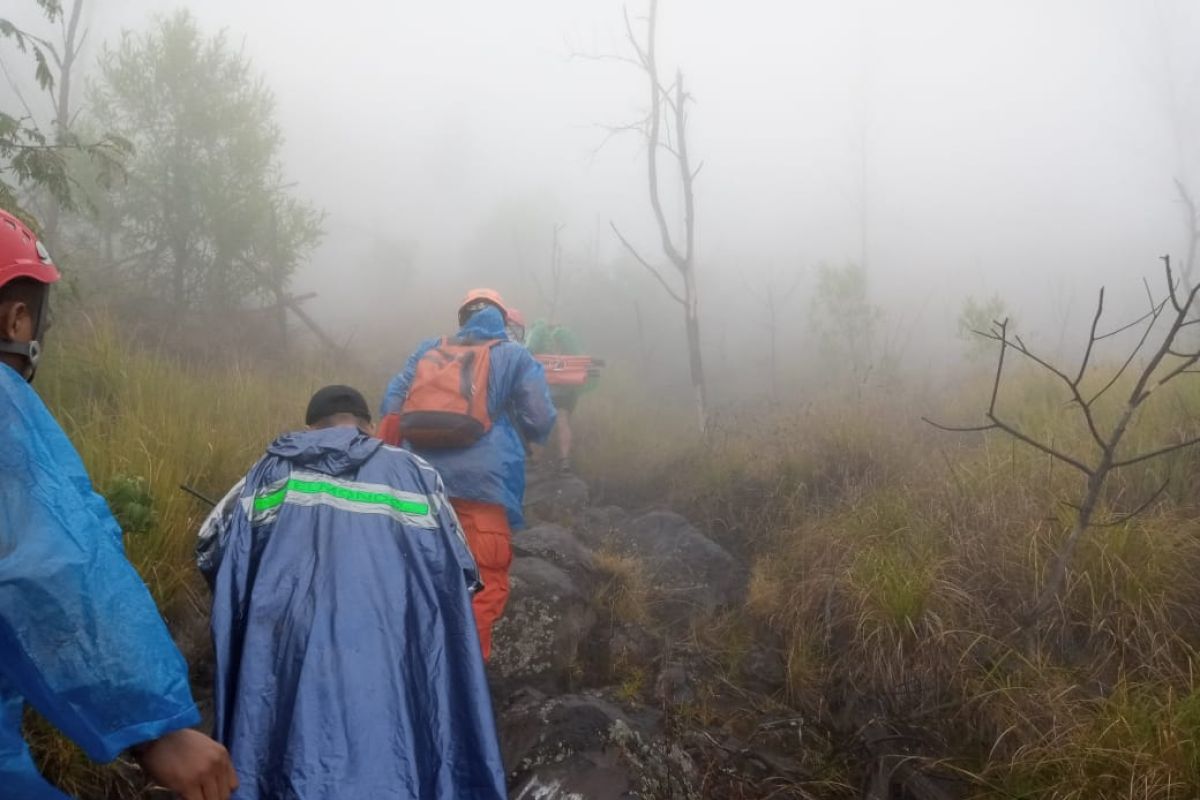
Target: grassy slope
[145, 423]
[888, 559]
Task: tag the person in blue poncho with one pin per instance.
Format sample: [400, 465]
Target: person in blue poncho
[347, 664]
[468, 403]
[80, 637]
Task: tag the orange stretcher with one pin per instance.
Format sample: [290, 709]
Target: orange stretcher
[569, 370]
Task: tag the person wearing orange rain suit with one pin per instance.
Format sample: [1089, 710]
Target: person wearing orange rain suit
[485, 479]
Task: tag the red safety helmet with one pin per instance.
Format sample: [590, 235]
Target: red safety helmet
[476, 297]
[23, 256]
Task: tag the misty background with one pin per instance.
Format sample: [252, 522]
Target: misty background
[1025, 150]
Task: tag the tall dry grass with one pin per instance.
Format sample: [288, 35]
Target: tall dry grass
[891, 562]
[146, 422]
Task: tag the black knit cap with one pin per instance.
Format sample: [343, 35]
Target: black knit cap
[336, 399]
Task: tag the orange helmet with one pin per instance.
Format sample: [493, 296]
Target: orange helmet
[476, 297]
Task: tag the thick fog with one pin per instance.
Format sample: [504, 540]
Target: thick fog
[1026, 149]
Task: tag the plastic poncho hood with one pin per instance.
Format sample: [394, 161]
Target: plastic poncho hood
[492, 470]
[80, 637]
[347, 660]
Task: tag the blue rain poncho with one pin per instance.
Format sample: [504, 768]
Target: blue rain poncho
[493, 469]
[347, 659]
[80, 637]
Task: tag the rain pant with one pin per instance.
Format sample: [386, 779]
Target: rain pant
[80, 637]
[347, 662]
[490, 540]
[493, 469]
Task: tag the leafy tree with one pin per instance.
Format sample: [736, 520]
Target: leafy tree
[205, 216]
[29, 158]
[845, 320]
[981, 315]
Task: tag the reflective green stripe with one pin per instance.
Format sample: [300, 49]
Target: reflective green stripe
[274, 499]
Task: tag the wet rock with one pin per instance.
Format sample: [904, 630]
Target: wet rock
[584, 747]
[557, 545]
[765, 669]
[537, 640]
[555, 496]
[673, 686]
[632, 644]
[595, 524]
[691, 574]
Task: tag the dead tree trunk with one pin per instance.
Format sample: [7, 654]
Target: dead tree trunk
[772, 300]
[72, 41]
[673, 105]
[551, 297]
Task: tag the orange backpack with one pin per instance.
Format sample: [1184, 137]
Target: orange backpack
[447, 404]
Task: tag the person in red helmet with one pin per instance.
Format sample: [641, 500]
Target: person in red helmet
[80, 637]
[466, 404]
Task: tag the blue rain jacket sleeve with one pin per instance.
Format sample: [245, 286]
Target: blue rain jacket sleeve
[347, 660]
[80, 637]
[493, 469]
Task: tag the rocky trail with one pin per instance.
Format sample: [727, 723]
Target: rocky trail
[606, 682]
[595, 663]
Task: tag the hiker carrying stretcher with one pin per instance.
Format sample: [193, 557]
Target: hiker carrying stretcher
[464, 403]
[568, 373]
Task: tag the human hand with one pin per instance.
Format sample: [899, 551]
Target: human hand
[190, 764]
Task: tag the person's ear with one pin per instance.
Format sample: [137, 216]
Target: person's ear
[16, 321]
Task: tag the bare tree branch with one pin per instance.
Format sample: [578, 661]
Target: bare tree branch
[1003, 328]
[1132, 355]
[991, 426]
[1171, 292]
[604, 57]
[637, 48]
[633, 251]
[685, 171]
[1153, 312]
[1162, 451]
[1034, 443]
[1148, 382]
[1072, 386]
[1121, 519]
[1087, 353]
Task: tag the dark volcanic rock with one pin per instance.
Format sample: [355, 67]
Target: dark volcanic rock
[555, 496]
[547, 618]
[557, 545]
[583, 747]
[692, 575]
